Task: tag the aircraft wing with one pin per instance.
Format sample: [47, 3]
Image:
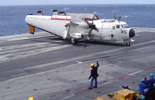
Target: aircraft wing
[62, 24]
[52, 24]
[77, 17]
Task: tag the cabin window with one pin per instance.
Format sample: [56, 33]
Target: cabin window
[117, 26]
[125, 26]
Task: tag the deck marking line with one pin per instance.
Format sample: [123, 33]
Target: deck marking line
[81, 92]
[108, 82]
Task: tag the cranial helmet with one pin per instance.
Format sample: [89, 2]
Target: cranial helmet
[151, 75]
[142, 97]
[142, 80]
[91, 65]
[30, 98]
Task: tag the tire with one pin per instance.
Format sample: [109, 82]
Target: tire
[127, 43]
[73, 41]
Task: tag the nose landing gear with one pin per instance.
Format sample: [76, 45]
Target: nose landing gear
[127, 43]
[73, 41]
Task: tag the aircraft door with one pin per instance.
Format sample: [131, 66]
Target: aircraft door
[118, 32]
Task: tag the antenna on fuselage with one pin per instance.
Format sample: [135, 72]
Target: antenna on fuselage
[115, 15]
[113, 11]
[119, 17]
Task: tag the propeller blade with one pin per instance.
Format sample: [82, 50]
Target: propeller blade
[96, 29]
[91, 25]
[87, 22]
[89, 33]
[94, 17]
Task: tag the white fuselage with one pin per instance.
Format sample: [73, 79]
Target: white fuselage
[77, 28]
[111, 31]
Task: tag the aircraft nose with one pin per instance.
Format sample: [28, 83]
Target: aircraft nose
[131, 33]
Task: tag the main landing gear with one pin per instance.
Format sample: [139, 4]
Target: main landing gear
[127, 43]
[73, 41]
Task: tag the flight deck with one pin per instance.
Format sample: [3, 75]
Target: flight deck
[48, 67]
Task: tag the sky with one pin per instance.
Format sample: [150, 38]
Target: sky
[55, 2]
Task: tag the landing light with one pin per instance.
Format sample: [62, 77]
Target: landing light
[132, 40]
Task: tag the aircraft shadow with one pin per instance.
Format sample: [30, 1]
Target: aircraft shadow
[61, 41]
[99, 43]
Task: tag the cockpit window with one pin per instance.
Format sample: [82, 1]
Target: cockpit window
[125, 26]
[117, 26]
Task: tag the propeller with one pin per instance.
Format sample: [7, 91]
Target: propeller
[91, 25]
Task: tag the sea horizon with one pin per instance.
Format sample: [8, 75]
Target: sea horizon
[12, 18]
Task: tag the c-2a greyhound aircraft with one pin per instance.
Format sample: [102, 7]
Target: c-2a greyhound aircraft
[80, 26]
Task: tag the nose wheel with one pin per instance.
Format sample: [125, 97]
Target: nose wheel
[127, 43]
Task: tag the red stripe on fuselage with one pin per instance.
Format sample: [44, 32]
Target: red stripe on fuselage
[60, 19]
[97, 17]
[89, 19]
[101, 32]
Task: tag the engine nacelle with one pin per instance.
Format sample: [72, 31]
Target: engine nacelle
[76, 35]
[83, 25]
[79, 35]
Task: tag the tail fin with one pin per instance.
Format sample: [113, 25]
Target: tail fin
[31, 29]
[55, 12]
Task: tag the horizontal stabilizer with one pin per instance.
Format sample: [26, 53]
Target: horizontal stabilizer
[31, 29]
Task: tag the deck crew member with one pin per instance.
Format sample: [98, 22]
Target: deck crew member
[142, 86]
[151, 81]
[94, 74]
[147, 94]
[152, 93]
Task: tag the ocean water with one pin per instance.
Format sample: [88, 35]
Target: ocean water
[12, 18]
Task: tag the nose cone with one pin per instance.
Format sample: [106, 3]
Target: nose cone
[131, 33]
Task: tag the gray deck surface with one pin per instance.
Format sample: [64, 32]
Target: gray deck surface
[47, 67]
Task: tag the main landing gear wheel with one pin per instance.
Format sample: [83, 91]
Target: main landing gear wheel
[127, 43]
[73, 41]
